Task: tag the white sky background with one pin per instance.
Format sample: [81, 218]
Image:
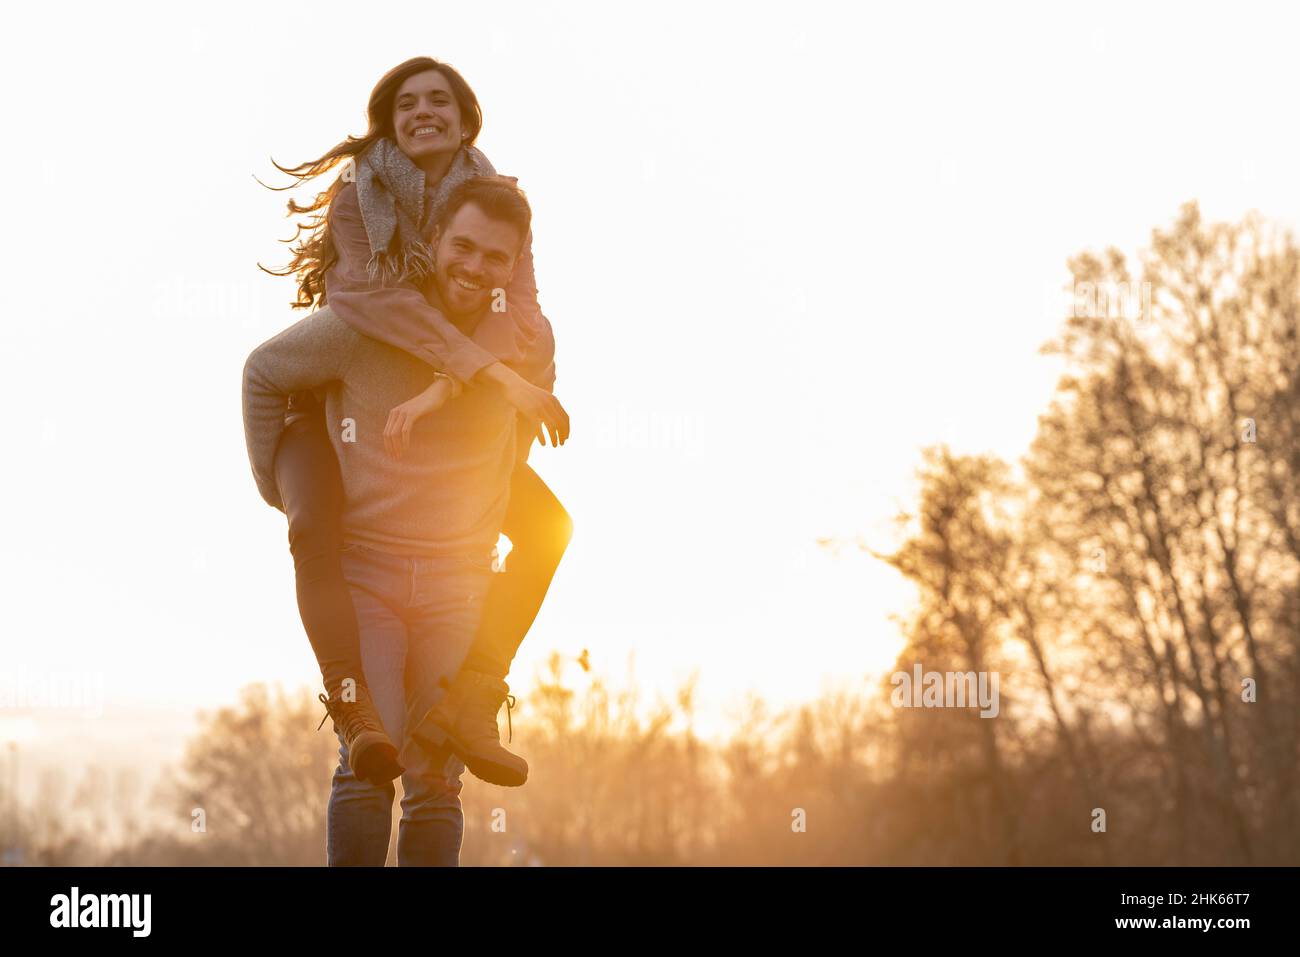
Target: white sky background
[795, 243]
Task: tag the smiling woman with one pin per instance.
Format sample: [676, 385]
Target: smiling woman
[421, 96]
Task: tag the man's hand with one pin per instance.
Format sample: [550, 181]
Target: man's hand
[534, 404]
[397, 432]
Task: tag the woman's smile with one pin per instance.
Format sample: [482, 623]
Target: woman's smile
[425, 136]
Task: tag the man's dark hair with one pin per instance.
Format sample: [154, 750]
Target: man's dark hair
[497, 196]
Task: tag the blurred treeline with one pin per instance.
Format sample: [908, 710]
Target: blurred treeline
[1135, 582]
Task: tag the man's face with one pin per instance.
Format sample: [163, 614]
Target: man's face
[475, 255]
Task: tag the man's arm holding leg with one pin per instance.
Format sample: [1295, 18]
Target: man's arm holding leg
[308, 354]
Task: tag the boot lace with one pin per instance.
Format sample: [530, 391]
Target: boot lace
[510, 725]
[348, 718]
[491, 696]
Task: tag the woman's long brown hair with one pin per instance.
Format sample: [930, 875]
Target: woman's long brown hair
[314, 252]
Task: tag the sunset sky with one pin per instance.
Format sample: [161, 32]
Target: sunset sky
[783, 247]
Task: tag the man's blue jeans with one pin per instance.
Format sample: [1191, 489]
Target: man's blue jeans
[417, 618]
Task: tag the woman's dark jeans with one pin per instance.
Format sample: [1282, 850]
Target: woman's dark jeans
[311, 490]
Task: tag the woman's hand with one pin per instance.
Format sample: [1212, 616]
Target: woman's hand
[538, 405]
[533, 403]
[397, 432]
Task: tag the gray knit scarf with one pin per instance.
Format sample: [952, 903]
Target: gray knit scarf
[390, 189]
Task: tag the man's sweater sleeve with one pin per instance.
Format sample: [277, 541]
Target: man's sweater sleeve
[397, 313]
[308, 354]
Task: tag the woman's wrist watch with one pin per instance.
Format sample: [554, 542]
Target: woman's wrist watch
[456, 387]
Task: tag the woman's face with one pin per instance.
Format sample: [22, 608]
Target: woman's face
[426, 117]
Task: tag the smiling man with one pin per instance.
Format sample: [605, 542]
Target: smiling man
[419, 527]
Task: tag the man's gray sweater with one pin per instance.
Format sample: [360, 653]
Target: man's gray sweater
[448, 493]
